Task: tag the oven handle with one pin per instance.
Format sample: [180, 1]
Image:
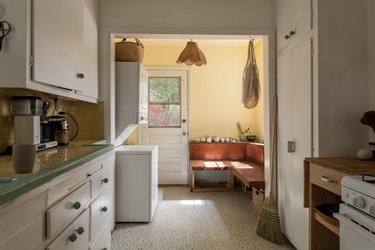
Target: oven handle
[357, 228]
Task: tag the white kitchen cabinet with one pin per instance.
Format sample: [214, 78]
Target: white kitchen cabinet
[49, 218]
[294, 19]
[48, 52]
[65, 49]
[75, 236]
[323, 93]
[103, 241]
[294, 93]
[131, 95]
[29, 237]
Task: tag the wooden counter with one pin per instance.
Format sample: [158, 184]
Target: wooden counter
[323, 186]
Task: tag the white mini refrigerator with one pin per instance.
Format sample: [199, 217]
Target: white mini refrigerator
[136, 182]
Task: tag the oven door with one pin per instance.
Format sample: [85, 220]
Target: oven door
[357, 229]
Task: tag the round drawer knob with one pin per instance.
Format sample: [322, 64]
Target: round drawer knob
[80, 75]
[80, 230]
[105, 180]
[72, 237]
[76, 205]
[286, 37]
[104, 209]
[292, 33]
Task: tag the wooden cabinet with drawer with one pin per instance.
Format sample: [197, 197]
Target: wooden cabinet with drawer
[323, 177]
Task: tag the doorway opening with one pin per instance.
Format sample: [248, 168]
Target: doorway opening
[204, 96]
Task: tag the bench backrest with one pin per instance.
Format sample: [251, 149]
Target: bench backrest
[252, 152]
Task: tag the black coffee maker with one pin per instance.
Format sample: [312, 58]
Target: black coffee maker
[56, 129]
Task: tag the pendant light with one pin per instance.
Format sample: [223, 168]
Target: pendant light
[192, 55]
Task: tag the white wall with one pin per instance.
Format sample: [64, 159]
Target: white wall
[192, 14]
[342, 77]
[371, 54]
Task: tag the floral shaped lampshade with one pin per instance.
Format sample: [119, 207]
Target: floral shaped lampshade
[192, 55]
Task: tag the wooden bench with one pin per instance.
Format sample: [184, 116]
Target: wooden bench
[243, 160]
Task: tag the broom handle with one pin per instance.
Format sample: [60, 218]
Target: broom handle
[273, 142]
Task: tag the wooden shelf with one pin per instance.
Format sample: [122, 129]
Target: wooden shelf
[331, 223]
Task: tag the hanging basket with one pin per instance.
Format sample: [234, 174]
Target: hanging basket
[129, 51]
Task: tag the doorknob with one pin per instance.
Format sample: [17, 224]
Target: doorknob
[183, 120]
[183, 133]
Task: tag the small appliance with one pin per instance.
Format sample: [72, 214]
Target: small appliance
[59, 129]
[26, 111]
[29, 121]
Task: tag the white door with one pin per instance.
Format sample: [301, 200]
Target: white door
[168, 122]
[295, 128]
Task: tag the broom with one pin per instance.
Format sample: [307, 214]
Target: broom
[269, 223]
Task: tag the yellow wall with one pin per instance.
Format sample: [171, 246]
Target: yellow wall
[215, 90]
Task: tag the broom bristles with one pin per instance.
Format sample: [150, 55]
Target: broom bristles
[269, 223]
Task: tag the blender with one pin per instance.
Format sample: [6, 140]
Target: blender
[27, 112]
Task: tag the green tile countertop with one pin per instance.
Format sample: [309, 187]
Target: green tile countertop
[49, 164]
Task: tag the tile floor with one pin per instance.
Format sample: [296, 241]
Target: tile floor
[185, 220]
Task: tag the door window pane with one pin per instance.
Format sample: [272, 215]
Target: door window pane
[164, 102]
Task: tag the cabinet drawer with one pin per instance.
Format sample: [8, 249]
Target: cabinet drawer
[64, 183]
[326, 178]
[65, 210]
[29, 237]
[100, 211]
[103, 241]
[101, 181]
[75, 236]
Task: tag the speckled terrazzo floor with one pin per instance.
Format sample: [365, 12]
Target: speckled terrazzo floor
[185, 220]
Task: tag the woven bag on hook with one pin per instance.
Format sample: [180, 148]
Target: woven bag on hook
[250, 80]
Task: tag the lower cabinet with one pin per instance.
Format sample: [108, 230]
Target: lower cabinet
[103, 241]
[28, 237]
[82, 217]
[75, 236]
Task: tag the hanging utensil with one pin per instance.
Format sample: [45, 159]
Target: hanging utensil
[5, 28]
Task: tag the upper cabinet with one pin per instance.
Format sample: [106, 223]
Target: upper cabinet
[52, 47]
[294, 19]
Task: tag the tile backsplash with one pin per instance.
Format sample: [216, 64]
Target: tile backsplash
[89, 116]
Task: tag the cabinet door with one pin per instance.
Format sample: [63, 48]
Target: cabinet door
[57, 42]
[292, 16]
[295, 127]
[89, 59]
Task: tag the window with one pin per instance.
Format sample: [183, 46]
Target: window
[164, 109]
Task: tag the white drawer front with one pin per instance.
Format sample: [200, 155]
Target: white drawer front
[65, 210]
[76, 236]
[100, 210]
[29, 237]
[103, 241]
[65, 182]
[100, 182]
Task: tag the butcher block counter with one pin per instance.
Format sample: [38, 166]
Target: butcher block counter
[323, 186]
[49, 164]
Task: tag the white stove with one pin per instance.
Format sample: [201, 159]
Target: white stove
[359, 192]
[357, 214]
